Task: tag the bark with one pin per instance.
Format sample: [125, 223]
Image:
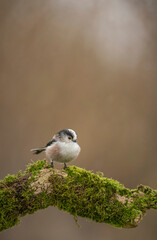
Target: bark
[75, 190]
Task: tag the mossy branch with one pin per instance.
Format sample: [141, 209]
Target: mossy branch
[75, 190]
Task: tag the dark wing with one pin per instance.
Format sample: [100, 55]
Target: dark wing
[51, 142]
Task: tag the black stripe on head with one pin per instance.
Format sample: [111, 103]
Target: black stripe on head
[65, 132]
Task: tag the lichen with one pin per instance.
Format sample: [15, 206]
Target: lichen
[42, 183]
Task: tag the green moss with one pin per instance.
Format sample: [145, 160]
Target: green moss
[15, 195]
[89, 195]
[80, 192]
[35, 167]
[9, 178]
[31, 179]
[8, 211]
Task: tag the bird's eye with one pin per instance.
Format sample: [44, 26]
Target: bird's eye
[70, 138]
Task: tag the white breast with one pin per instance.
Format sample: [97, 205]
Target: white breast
[68, 151]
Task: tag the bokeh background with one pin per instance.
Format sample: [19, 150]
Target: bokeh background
[87, 65]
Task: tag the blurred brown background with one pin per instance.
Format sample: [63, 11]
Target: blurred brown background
[90, 66]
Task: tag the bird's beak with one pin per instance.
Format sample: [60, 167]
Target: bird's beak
[74, 140]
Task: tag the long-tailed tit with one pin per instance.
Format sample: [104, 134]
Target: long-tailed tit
[63, 147]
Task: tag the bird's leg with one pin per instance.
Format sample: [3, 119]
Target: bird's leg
[52, 165]
[65, 166]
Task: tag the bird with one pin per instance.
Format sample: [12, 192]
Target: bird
[63, 147]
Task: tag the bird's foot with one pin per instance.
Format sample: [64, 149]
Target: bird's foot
[52, 165]
[65, 166]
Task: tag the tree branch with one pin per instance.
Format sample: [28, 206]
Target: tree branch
[74, 190]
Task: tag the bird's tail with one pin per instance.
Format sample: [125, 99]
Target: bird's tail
[38, 150]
